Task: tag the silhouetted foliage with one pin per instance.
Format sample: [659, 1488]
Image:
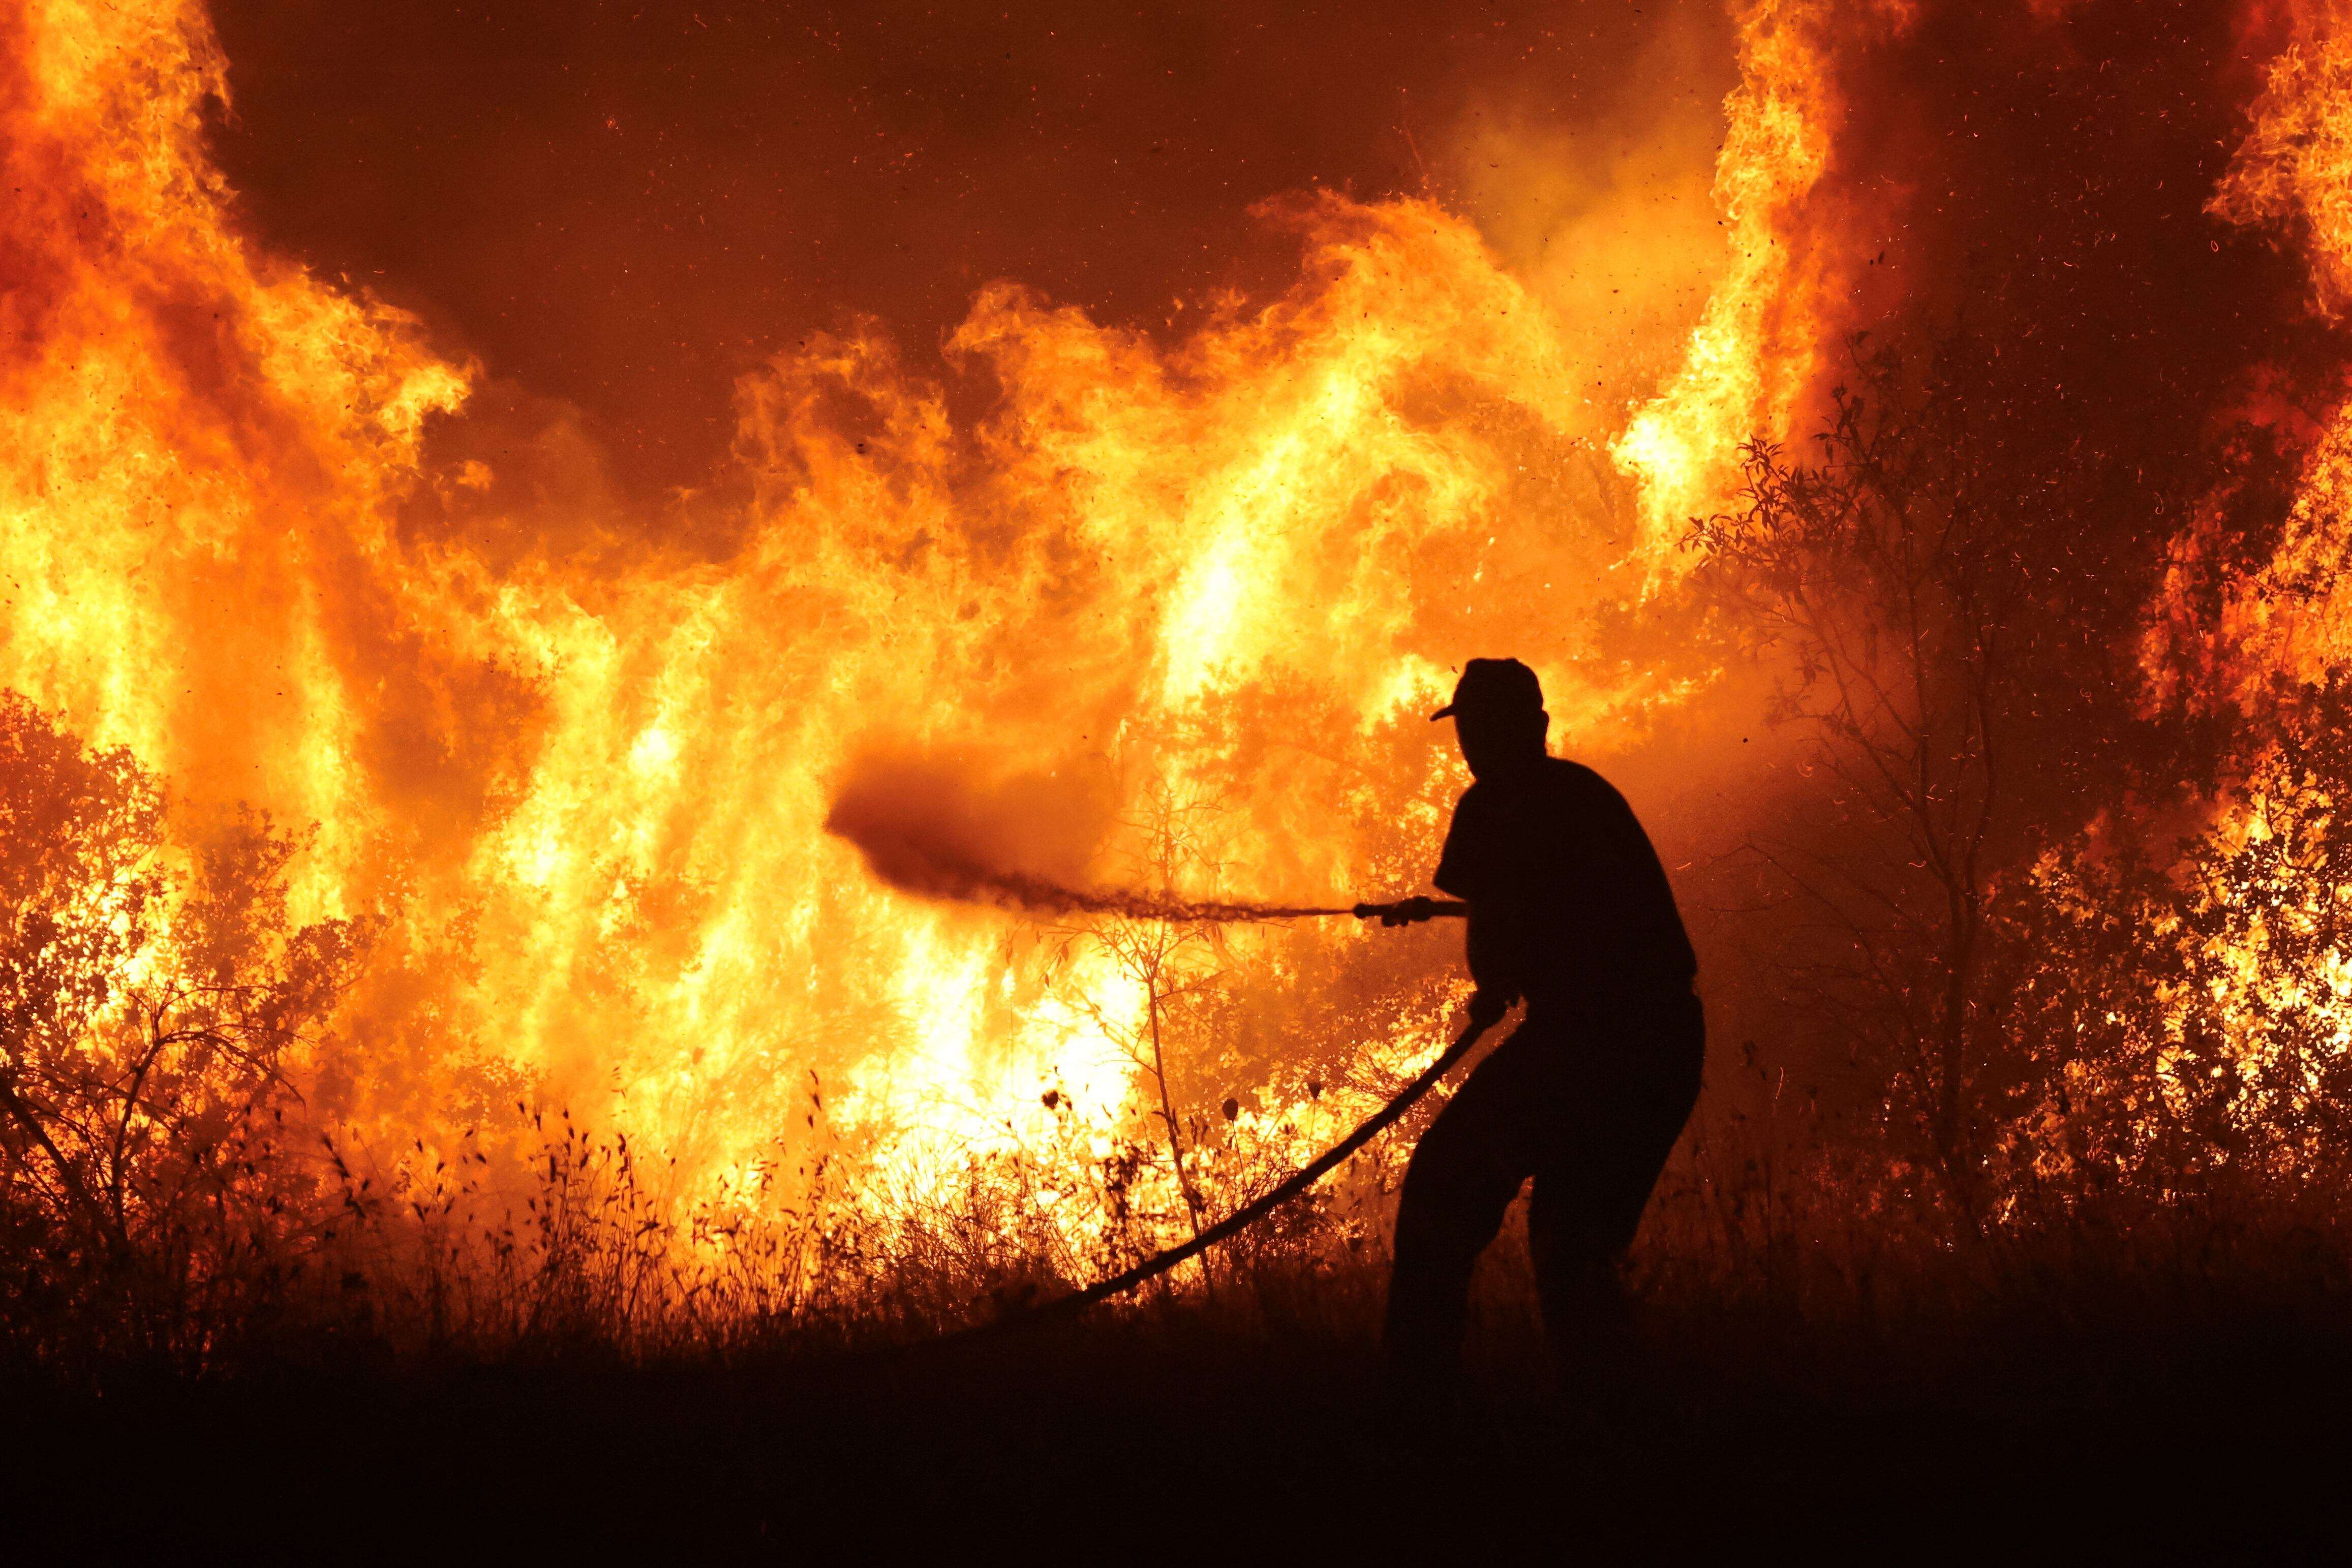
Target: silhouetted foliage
[1890, 578]
[149, 1016]
[1955, 599]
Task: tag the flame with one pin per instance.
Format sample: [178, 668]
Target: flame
[1186, 601]
[2295, 162]
[1166, 616]
[2261, 887]
[1757, 346]
[2290, 618]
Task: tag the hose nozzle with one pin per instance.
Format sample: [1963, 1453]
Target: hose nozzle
[1412, 910]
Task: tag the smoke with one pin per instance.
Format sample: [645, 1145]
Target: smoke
[1019, 842]
[934, 148]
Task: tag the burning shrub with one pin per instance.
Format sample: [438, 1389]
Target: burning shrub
[2194, 1020]
[149, 1016]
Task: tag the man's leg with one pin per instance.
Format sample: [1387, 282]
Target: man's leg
[1623, 1104]
[1464, 1172]
[1587, 1319]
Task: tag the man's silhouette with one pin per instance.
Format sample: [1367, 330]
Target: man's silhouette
[1571, 911]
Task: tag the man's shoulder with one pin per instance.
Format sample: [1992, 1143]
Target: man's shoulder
[1558, 784]
[1576, 778]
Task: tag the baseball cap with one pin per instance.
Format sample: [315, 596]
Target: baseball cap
[1495, 687]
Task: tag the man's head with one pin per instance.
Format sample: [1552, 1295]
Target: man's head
[1498, 716]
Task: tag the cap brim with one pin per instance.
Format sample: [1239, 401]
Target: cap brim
[1445, 712]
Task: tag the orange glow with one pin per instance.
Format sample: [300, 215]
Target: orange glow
[1217, 580]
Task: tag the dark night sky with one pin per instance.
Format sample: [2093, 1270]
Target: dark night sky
[623, 205]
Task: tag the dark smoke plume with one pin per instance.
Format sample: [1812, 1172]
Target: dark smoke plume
[1020, 844]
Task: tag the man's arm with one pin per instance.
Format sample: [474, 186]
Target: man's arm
[1465, 869]
[1496, 962]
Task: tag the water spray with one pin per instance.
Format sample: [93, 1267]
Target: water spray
[919, 857]
[931, 833]
[1150, 906]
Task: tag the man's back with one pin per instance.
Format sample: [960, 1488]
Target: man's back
[1558, 866]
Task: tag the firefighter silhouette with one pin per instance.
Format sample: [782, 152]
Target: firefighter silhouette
[1571, 913]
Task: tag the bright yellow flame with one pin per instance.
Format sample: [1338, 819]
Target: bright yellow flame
[589, 799]
[1755, 347]
[2297, 162]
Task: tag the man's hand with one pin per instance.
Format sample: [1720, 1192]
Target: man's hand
[1487, 1007]
[1409, 912]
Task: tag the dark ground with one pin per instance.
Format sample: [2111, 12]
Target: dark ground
[1177, 1436]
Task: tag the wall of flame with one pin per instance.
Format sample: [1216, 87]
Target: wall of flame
[582, 779]
[583, 789]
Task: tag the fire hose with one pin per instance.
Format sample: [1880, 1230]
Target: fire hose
[1411, 909]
